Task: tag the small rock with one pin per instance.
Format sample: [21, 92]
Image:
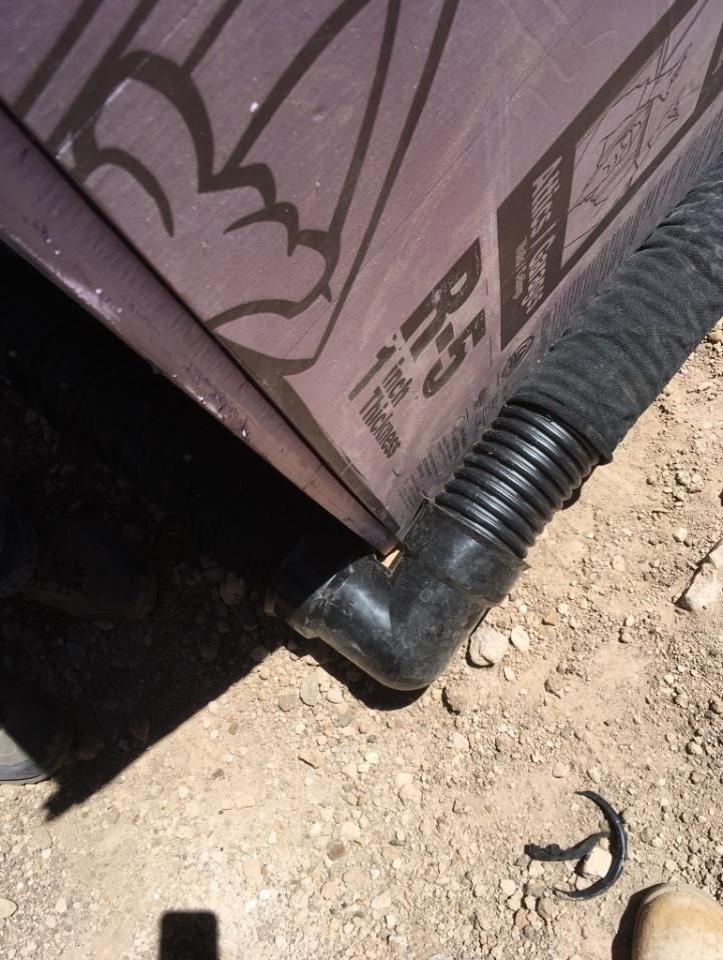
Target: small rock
[547, 908]
[680, 534]
[309, 690]
[397, 942]
[515, 902]
[410, 794]
[536, 869]
[460, 806]
[554, 684]
[705, 589]
[335, 694]
[504, 743]
[535, 888]
[382, 902]
[7, 908]
[697, 776]
[533, 934]
[89, 746]
[487, 646]
[287, 702]
[560, 771]
[208, 651]
[595, 774]
[232, 590]
[618, 564]
[258, 654]
[456, 697]
[331, 890]
[40, 839]
[245, 799]
[459, 741]
[61, 905]
[550, 618]
[509, 674]
[597, 863]
[508, 887]
[336, 850]
[350, 831]
[312, 757]
[715, 706]
[520, 639]
[694, 748]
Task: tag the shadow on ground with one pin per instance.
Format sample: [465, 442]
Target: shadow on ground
[622, 942]
[196, 499]
[188, 935]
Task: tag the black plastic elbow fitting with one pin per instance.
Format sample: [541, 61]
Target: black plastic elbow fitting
[461, 556]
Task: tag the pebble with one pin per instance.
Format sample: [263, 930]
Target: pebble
[309, 690]
[504, 743]
[350, 831]
[7, 908]
[331, 890]
[336, 850]
[597, 863]
[287, 702]
[335, 694]
[382, 902]
[560, 770]
[716, 706]
[680, 534]
[705, 589]
[398, 942]
[554, 684]
[410, 794]
[456, 697]
[550, 618]
[618, 564]
[312, 757]
[232, 590]
[509, 674]
[694, 748]
[508, 887]
[547, 908]
[459, 741]
[520, 639]
[487, 646]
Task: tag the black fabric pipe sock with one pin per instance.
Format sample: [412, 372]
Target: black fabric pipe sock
[631, 339]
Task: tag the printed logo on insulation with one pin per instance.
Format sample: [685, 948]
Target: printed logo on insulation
[428, 349]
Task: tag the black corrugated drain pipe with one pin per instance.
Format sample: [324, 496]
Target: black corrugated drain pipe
[464, 550]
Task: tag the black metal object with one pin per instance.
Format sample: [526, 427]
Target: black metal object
[618, 848]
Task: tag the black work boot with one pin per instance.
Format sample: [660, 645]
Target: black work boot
[35, 737]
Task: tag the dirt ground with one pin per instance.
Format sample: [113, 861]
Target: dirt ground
[225, 769]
